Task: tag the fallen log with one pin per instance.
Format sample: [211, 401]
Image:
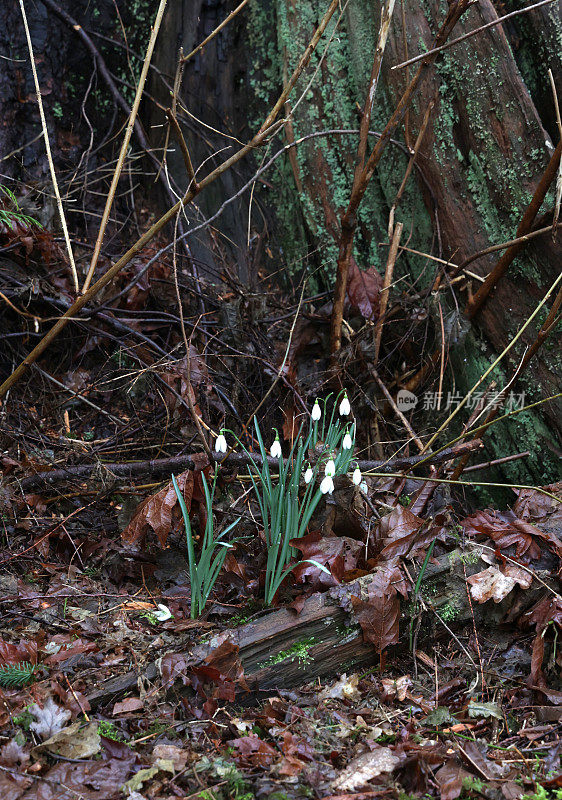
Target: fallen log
[163, 467]
[284, 649]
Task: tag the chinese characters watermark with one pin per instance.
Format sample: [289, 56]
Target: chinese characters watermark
[446, 401]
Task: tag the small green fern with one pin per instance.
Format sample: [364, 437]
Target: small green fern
[14, 676]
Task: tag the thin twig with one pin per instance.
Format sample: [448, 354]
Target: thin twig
[520, 240]
[125, 145]
[384, 294]
[78, 395]
[183, 147]
[496, 462]
[214, 33]
[558, 198]
[462, 38]
[187, 345]
[396, 410]
[48, 150]
[410, 166]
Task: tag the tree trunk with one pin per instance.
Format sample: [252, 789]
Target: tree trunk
[483, 154]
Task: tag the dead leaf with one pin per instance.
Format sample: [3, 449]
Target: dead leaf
[489, 584]
[506, 530]
[398, 534]
[532, 504]
[15, 653]
[12, 753]
[75, 741]
[253, 751]
[363, 289]
[449, 779]
[396, 688]
[127, 705]
[169, 752]
[161, 511]
[379, 614]
[343, 689]
[50, 719]
[364, 768]
[339, 554]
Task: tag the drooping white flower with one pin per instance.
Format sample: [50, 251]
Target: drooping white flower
[316, 411]
[308, 474]
[276, 448]
[327, 485]
[347, 443]
[345, 407]
[163, 613]
[330, 468]
[363, 488]
[220, 443]
[356, 477]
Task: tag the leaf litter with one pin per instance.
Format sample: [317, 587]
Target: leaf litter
[319, 696]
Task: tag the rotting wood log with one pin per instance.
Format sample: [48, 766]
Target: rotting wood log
[284, 649]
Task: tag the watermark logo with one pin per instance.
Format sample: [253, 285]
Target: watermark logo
[441, 401]
[406, 400]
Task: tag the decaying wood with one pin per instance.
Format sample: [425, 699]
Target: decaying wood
[267, 647]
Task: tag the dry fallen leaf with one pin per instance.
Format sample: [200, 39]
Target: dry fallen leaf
[495, 584]
[343, 689]
[364, 768]
[50, 719]
[397, 688]
[75, 741]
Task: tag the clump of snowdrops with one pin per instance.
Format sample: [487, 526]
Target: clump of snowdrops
[286, 508]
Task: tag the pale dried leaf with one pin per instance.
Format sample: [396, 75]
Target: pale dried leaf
[343, 689]
[397, 688]
[490, 584]
[49, 720]
[364, 768]
[75, 741]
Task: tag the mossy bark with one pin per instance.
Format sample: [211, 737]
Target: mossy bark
[484, 152]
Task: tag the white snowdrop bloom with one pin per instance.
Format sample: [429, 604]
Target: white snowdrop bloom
[345, 407]
[327, 485]
[308, 474]
[316, 411]
[276, 448]
[163, 613]
[347, 443]
[363, 488]
[330, 469]
[220, 443]
[356, 477]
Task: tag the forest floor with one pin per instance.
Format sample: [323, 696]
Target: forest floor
[441, 678]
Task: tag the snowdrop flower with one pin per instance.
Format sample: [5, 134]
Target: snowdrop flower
[347, 443]
[327, 485]
[276, 448]
[363, 488]
[308, 474]
[163, 613]
[220, 443]
[345, 408]
[316, 411]
[356, 477]
[330, 469]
